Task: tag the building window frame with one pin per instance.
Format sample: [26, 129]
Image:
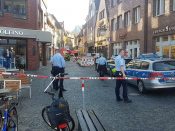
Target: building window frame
[119, 22]
[113, 24]
[113, 3]
[22, 15]
[102, 14]
[159, 7]
[127, 19]
[173, 5]
[119, 1]
[137, 14]
[1, 7]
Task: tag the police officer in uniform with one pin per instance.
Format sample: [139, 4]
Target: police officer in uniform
[120, 73]
[58, 65]
[102, 65]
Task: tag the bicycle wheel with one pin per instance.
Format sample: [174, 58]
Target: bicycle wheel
[44, 115]
[13, 120]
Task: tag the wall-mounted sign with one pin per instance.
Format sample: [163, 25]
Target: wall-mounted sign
[11, 32]
[165, 29]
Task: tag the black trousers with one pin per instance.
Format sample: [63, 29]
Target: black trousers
[120, 83]
[55, 71]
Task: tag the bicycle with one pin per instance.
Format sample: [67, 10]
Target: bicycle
[9, 116]
[57, 115]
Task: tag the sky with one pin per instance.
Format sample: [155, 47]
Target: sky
[72, 12]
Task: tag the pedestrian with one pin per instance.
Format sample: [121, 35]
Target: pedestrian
[120, 73]
[102, 65]
[12, 52]
[96, 63]
[58, 66]
[22, 62]
[7, 57]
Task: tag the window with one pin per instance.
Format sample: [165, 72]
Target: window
[144, 65]
[164, 66]
[127, 19]
[135, 52]
[173, 5]
[164, 38]
[159, 7]
[119, 22]
[137, 65]
[19, 8]
[0, 5]
[113, 25]
[130, 64]
[173, 37]
[7, 5]
[119, 1]
[137, 14]
[113, 3]
[101, 15]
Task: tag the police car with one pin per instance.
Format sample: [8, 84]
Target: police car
[162, 69]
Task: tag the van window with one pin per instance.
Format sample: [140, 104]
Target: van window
[164, 66]
[130, 64]
[145, 65]
[137, 65]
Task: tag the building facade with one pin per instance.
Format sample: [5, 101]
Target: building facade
[22, 31]
[128, 25]
[57, 31]
[91, 24]
[161, 31]
[102, 32]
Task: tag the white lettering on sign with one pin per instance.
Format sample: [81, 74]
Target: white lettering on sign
[166, 29]
[11, 32]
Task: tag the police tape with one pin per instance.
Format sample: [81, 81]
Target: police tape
[87, 78]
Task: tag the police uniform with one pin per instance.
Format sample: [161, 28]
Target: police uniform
[58, 65]
[119, 61]
[102, 65]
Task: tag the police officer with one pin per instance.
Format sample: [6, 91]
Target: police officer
[120, 73]
[58, 65]
[102, 65]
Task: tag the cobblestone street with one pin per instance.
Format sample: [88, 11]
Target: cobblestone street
[145, 113]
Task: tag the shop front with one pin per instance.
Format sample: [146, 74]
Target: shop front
[164, 41]
[165, 46]
[19, 48]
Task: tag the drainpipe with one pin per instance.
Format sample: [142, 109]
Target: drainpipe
[146, 27]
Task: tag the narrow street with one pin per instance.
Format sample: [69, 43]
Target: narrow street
[145, 113]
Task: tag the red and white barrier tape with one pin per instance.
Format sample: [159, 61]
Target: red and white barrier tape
[85, 78]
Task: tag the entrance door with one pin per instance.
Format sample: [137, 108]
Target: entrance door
[17, 51]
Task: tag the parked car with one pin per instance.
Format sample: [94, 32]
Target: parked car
[111, 65]
[150, 69]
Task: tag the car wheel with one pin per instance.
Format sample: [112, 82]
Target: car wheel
[141, 87]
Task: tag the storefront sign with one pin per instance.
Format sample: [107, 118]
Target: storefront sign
[11, 32]
[166, 29]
